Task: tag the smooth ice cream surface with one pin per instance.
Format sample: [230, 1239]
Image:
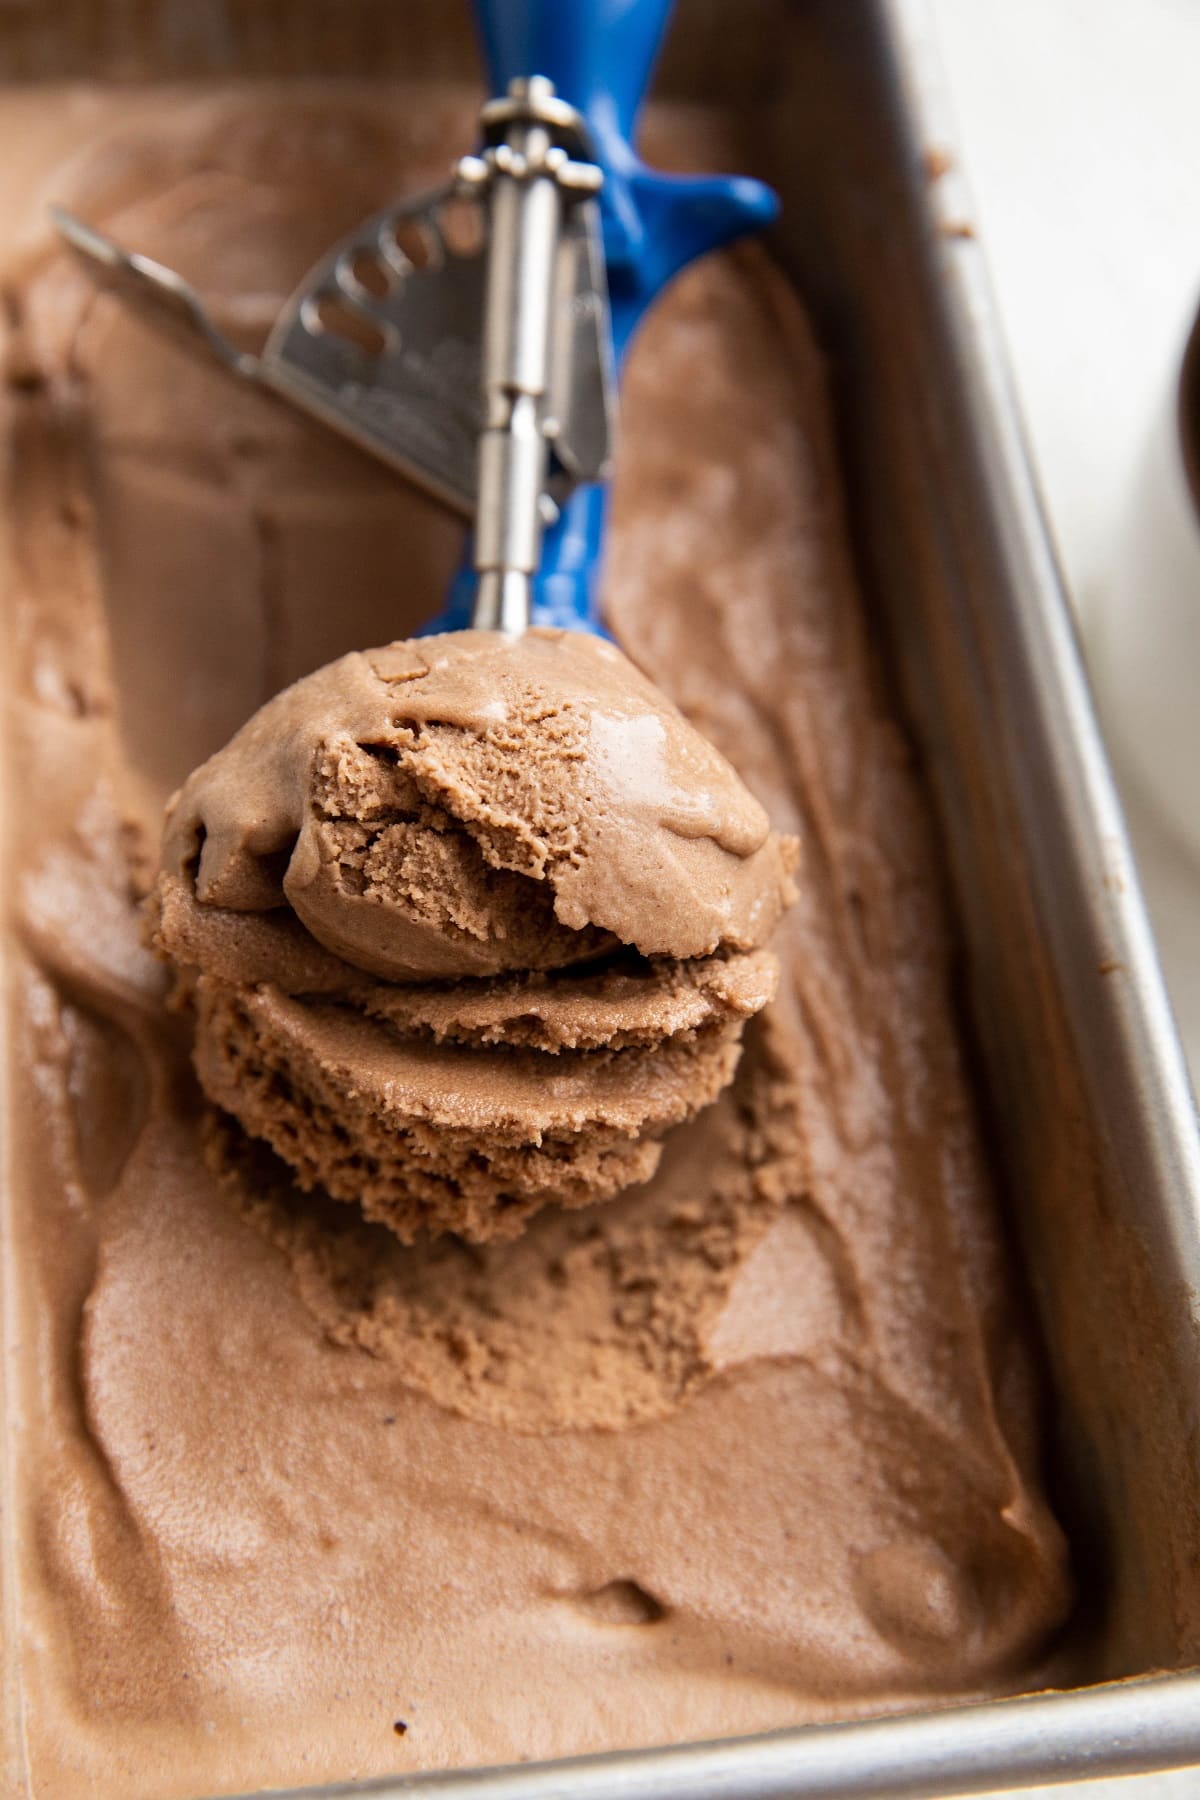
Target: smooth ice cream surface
[468, 806]
[750, 1444]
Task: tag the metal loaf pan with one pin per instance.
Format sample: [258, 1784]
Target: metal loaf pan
[1092, 1118]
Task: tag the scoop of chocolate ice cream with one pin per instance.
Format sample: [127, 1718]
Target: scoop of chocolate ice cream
[470, 803]
[468, 923]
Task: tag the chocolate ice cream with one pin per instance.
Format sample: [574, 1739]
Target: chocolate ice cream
[467, 806]
[754, 1442]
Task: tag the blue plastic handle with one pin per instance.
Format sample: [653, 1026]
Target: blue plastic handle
[600, 55]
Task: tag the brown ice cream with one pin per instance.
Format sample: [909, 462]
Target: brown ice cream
[472, 803]
[286, 1500]
[467, 806]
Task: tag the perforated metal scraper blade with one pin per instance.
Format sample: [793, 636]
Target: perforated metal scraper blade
[381, 340]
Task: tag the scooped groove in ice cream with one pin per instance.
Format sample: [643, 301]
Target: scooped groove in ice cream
[530, 819]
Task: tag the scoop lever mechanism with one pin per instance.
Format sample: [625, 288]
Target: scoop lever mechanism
[472, 354]
[470, 336]
[536, 170]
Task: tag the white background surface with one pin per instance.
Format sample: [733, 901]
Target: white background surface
[1079, 124]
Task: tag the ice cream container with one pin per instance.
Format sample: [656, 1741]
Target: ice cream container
[1091, 1118]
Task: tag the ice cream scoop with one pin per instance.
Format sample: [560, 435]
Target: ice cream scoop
[498, 802]
[477, 355]
[460, 944]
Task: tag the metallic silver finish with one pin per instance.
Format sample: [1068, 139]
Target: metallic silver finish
[530, 99]
[412, 396]
[502, 601]
[393, 366]
[581, 421]
[1112, 1730]
[150, 286]
[532, 183]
